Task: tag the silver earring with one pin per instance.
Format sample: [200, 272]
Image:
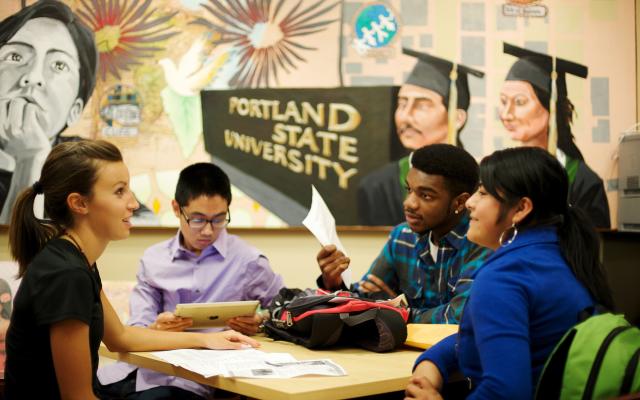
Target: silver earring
[511, 233]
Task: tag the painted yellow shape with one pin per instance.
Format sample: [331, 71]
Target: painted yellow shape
[217, 64]
[156, 205]
[108, 38]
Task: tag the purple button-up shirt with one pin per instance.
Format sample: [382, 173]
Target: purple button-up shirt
[227, 270]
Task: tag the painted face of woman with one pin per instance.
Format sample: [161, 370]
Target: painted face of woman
[523, 116]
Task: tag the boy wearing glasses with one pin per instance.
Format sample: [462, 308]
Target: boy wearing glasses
[201, 263]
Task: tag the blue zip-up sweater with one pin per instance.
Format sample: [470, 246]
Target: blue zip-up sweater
[522, 302]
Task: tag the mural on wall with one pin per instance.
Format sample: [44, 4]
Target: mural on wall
[126, 33]
[266, 39]
[535, 109]
[474, 33]
[8, 287]
[375, 28]
[156, 58]
[275, 143]
[431, 108]
[47, 75]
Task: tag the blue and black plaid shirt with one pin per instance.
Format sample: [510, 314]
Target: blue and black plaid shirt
[436, 291]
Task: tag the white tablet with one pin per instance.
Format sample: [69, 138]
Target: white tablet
[207, 315]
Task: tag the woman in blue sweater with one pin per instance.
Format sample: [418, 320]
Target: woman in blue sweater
[544, 271]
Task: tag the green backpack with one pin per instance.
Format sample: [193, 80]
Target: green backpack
[597, 359]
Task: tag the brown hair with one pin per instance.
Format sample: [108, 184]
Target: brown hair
[71, 167]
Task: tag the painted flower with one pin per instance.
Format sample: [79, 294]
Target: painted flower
[267, 39]
[125, 32]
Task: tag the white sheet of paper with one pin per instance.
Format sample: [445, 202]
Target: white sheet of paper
[270, 369]
[322, 225]
[247, 363]
[216, 362]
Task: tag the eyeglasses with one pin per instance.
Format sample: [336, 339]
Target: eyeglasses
[199, 223]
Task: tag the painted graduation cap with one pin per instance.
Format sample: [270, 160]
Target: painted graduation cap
[446, 78]
[547, 73]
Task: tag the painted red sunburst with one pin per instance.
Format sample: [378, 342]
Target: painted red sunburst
[125, 31]
[266, 37]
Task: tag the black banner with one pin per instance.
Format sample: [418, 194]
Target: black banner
[276, 143]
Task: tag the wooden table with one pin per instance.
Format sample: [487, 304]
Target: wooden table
[368, 373]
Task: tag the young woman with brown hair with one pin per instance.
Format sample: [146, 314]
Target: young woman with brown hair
[60, 313]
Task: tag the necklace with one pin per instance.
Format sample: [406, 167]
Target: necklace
[75, 242]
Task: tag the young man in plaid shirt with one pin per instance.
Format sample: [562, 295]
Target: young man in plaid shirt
[428, 257]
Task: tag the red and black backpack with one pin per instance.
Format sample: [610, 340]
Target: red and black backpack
[318, 319]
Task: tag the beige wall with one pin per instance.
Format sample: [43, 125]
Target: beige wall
[290, 251]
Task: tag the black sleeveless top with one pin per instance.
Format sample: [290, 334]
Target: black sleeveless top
[58, 286]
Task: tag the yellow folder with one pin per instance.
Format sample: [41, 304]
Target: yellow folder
[424, 336]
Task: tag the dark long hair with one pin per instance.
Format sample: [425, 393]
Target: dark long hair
[71, 167]
[511, 174]
[564, 119]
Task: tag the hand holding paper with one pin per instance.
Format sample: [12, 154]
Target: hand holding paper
[322, 225]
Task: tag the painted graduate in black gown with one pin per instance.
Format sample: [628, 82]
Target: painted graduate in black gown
[432, 108]
[531, 117]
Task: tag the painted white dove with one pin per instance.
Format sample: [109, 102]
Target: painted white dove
[192, 74]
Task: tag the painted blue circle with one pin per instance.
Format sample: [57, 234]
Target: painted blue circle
[376, 26]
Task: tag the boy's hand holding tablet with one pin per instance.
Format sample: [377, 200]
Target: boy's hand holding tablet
[168, 321]
[247, 324]
[237, 315]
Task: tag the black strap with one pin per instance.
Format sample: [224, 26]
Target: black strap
[630, 373]
[550, 381]
[597, 362]
[353, 320]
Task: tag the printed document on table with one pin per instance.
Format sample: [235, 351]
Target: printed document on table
[323, 367]
[322, 225]
[248, 363]
[214, 362]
